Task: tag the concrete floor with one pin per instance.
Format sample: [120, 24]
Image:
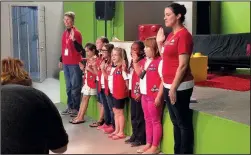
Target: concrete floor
[232, 105]
[86, 140]
[51, 87]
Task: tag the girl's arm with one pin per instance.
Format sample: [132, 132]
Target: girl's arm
[90, 70]
[160, 93]
[95, 68]
[103, 70]
[126, 78]
[137, 68]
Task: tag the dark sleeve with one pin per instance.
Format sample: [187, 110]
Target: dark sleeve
[56, 135]
[60, 59]
[78, 46]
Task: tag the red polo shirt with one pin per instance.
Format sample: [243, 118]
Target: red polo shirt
[175, 45]
[70, 55]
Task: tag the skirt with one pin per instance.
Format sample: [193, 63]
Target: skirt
[86, 90]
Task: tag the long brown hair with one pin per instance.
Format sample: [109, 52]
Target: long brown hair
[151, 43]
[13, 72]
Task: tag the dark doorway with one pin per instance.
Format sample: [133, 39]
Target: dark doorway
[203, 17]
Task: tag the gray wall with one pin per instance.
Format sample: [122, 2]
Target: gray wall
[54, 28]
[142, 13]
[153, 13]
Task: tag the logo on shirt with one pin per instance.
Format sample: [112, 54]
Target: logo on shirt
[152, 68]
[136, 88]
[154, 89]
[118, 72]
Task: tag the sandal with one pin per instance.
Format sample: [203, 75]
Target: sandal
[117, 137]
[70, 121]
[111, 135]
[96, 124]
[78, 122]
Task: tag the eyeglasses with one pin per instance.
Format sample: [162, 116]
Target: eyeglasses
[104, 50]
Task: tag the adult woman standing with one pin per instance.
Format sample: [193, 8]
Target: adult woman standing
[177, 78]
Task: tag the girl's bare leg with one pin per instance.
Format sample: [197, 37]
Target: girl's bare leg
[80, 109]
[101, 112]
[121, 121]
[83, 109]
[116, 121]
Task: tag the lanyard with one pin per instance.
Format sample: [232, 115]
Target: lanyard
[67, 39]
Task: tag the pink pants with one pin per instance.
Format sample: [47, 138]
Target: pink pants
[152, 116]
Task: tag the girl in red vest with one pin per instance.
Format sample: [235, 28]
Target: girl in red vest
[137, 116]
[151, 89]
[118, 86]
[100, 42]
[89, 88]
[103, 89]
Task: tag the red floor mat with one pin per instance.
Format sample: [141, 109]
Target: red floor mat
[230, 82]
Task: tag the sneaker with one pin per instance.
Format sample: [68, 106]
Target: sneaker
[108, 130]
[74, 113]
[136, 144]
[102, 127]
[66, 111]
[130, 140]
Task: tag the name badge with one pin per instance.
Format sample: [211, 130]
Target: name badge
[66, 52]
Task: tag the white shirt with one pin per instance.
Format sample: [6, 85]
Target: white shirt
[102, 81]
[130, 79]
[142, 82]
[110, 78]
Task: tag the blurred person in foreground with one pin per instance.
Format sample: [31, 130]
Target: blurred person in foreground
[30, 122]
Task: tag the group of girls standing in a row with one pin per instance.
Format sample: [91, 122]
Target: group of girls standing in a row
[158, 73]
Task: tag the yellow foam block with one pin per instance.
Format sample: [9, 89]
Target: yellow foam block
[198, 66]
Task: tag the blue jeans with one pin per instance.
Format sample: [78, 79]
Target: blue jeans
[104, 101]
[109, 99]
[73, 80]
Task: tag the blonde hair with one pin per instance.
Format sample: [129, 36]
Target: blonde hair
[152, 44]
[12, 72]
[70, 14]
[122, 53]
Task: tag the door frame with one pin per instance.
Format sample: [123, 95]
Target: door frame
[39, 6]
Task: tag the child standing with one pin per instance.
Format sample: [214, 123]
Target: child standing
[152, 90]
[137, 116]
[100, 42]
[118, 85]
[103, 89]
[89, 88]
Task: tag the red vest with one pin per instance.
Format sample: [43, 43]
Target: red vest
[91, 79]
[120, 90]
[74, 57]
[108, 69]
[135, 85]
[153, 79]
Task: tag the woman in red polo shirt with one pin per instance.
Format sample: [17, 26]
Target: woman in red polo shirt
[177, 78]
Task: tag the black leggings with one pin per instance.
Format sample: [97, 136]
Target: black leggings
[182, 118]
[138, 122]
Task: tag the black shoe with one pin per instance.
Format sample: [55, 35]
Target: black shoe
[136, 143]
[130, 140]
[74, 113]
[66, 112]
